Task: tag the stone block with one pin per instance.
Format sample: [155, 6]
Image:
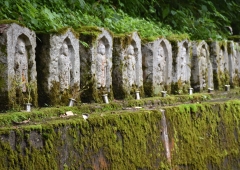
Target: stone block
[18, 83]
[96, 64]
[127, 66]
[234, 66]
[220, 63]
[201, 74]
[157, 67]
[58, 66]
[181, 71]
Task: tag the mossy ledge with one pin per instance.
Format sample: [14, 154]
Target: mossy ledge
[202, 136]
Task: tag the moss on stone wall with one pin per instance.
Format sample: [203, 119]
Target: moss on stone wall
[205, 136]
[63, 31]
[220, 79]
[126, 140]
[10, 22]
[235, 38]
[202, 136]
[148, 88]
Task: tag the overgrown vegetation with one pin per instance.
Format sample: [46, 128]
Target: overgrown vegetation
[197, 19]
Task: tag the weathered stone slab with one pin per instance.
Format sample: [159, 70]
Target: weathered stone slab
[234, 60]
[127, 66]
[201, 74]
[181, 72]
[58, 67]
[96, 64]
[18, 84]
[157, 67]
[220, 63]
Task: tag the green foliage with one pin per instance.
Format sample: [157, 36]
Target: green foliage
[199, 19]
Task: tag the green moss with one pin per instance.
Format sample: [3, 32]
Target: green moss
[121, 146]
[4, 102]
[178, 37]
[220, 79]
[235, 38]
[11, 21]
[2, 79]
[89, 31]
[200, 136]
[150, 39]
[148, 89]
[123, 39]
[63, 31]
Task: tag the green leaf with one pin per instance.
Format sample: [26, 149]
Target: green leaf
[165, 12]
[204, 8]
[19, 8]
[6, 3]
[173, 12]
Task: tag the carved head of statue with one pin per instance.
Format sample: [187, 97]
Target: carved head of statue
[20, 47]
[130, 50]
[101, 48]
[160, 51]
[65, 49]
[184, 51]
[203, 52]
[221, 53]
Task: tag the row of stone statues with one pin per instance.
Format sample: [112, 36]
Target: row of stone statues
[48, 70]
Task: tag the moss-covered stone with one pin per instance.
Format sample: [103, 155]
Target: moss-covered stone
[201, 136]
[235, 38]
[10, 22]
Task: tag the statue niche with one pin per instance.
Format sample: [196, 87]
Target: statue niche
[221, 60]
[203, 67]
[101, 65]
[131, 65]
[21, 65]
[183, 65]
[160, 67]
[65, 67]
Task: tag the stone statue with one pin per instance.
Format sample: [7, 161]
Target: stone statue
[131, 65]
[183, 64]
[235, 61]
[65, 67]
[101, 66]
[161, 63]
[221, 60]
[203, 66]
[21, 65]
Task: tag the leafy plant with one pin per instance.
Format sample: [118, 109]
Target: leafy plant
[30, 85]
[201, 19]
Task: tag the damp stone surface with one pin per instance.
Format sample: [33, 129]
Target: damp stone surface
[202, 77]
[58, 67]
[127, 66]
[96, 64]
[18, 83]
[157, 67]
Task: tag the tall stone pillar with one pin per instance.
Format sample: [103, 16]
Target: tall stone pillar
[58, 67]
[96, 63]
[157, 67]
[18, 83]
[202, 70]
[127, 66]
